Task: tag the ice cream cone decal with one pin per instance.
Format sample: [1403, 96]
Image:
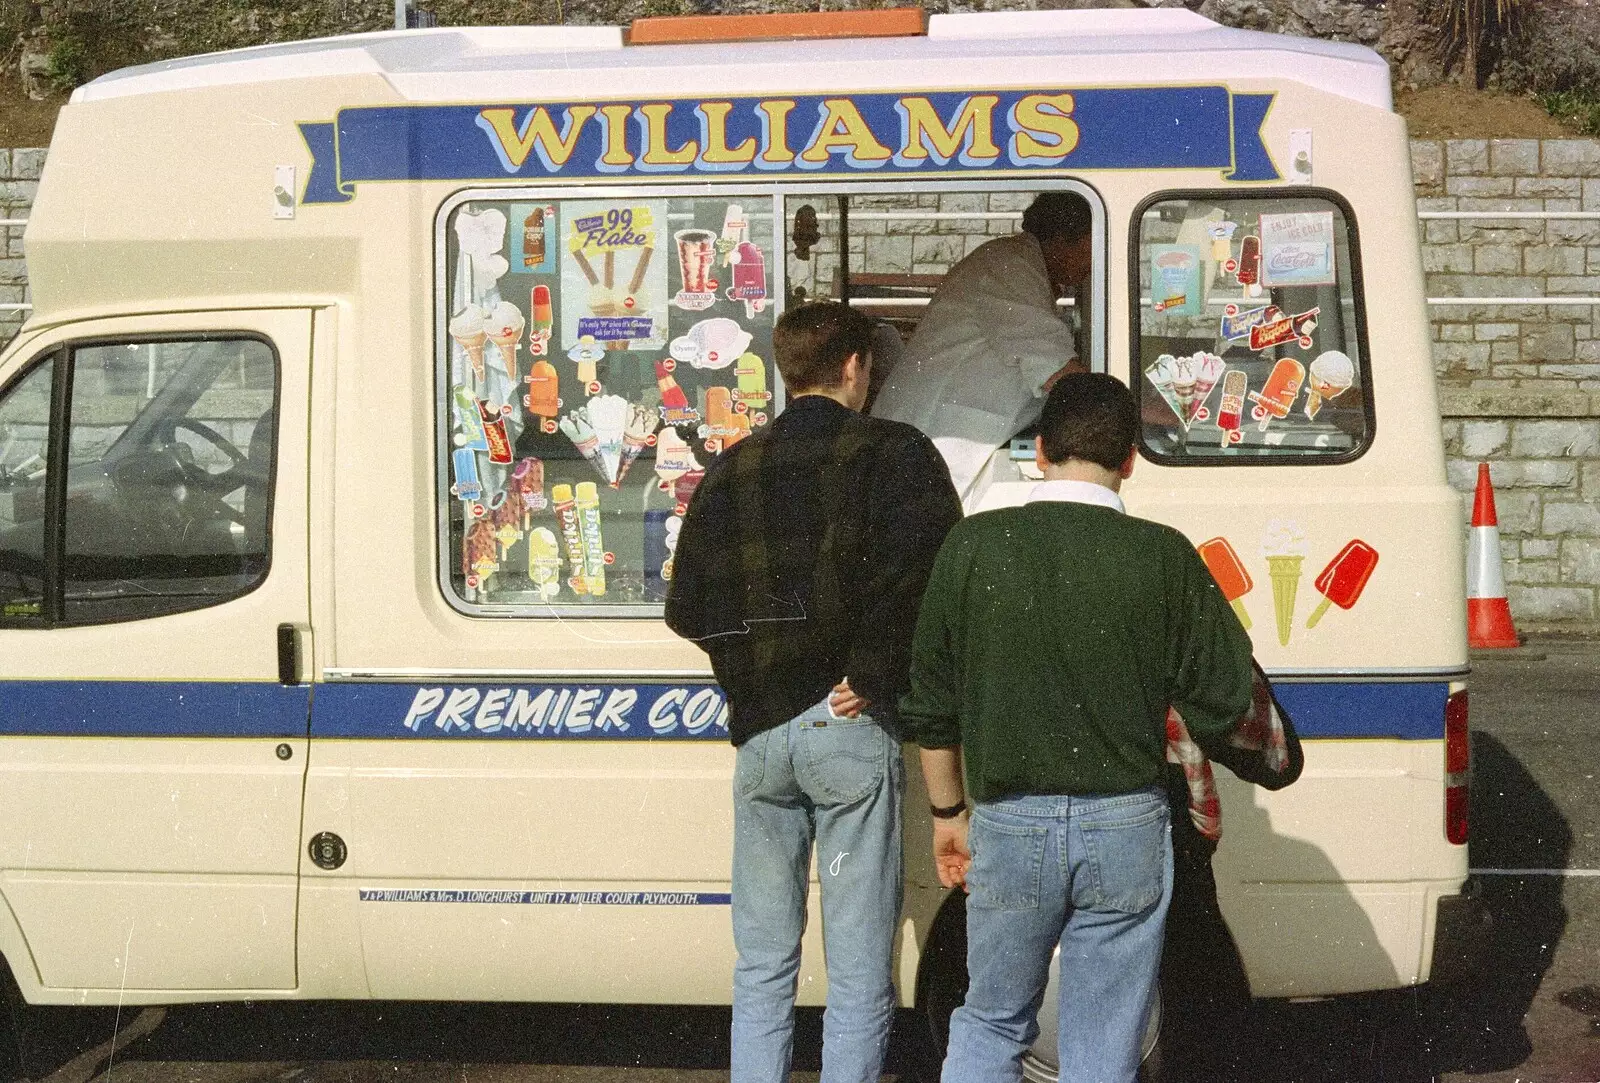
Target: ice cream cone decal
[1283, 546]
[638, 435]
[467, 328]
[1229, 572]
[1332, 373]
[1345, 577]
[504, 326]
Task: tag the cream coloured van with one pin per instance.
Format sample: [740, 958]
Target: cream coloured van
[342, 460]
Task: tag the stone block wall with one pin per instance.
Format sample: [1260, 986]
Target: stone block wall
[19, 180]
[1520, 383]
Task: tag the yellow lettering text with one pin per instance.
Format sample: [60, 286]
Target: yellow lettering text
[656, 151]
[1048, 115]
[714, 130]
[775, 118]
[538, 131]
[843, 128]
[973, 125]
[616, 153]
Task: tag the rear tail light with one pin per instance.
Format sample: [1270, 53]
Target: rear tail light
[1457, 764]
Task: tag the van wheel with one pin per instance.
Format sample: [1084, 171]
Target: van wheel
[942, 986]
[11, 1028]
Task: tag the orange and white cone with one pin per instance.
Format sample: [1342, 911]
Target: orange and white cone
[1488, 613]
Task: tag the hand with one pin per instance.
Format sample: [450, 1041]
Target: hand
[950, 854]
[846, 702]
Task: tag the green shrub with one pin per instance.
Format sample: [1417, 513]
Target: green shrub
[69, 62]
[1579, 108]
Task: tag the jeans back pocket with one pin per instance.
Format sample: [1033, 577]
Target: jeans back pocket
[844, 759]
[1007, 863]
[1126, 852]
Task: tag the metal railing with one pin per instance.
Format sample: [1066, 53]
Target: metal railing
[1547, 300]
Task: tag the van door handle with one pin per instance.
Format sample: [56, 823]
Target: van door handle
[288, 655]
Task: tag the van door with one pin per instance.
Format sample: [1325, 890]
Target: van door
[152, 544]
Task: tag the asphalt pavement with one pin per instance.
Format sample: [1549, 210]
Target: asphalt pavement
[1531, 1014]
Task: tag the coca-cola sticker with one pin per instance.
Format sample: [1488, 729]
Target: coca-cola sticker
[1297, 249]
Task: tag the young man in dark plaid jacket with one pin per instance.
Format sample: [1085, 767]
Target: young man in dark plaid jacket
[799, 569]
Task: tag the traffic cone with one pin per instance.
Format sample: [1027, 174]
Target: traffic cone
[1488, 613]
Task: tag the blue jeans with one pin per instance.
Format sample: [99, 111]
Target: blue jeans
[841, 782]
[1093, 874]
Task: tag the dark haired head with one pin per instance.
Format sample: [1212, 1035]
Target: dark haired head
[1089, 416]
[812, 342]
[1058, 214]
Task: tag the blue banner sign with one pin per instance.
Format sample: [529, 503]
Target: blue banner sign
[1183, 127]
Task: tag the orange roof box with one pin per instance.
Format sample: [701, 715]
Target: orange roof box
[794, 26]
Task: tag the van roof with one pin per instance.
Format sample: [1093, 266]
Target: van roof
[538, 62]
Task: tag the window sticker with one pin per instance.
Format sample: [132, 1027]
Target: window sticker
[609, 268]
[1176, 283]
[1297, 249]
[565, 366]
[1253, 366]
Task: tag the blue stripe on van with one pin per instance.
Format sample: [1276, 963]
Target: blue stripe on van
[1410, 711]
[560, 711]
[153, 709]
[565, 711]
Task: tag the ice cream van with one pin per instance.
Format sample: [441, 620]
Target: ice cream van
[343, 456]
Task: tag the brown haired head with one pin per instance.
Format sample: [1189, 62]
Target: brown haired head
[812, 342]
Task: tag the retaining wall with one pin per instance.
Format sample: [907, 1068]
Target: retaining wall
[1520, 384]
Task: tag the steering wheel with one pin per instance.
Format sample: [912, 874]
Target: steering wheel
[192, 471]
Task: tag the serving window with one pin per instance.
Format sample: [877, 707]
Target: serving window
[1248, 336]
[595, 353]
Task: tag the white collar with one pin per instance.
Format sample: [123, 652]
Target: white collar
[1076, 492]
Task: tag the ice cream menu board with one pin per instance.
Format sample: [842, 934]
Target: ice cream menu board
[1250, 346]
[597, 355]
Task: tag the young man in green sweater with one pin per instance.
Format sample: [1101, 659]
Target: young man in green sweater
[1052, 639]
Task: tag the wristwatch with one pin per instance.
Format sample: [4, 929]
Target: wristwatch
[950, 812]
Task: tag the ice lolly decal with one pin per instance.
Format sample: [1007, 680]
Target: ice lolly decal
[1345, 577]
[1221, 234]
[587, 353]
[544, 392]
[594, 549]
[478, 555]
[749, 279]
[544, 563]
[566, 509]
[1332, 373]
[494, 431]
[528, 477]
[1231, 407]
[1284, 547]
[1229, 572]
[543, 319]
[467, 488]
[469, 422]
[752, 375]
[1249, 270]
[1276, 398]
